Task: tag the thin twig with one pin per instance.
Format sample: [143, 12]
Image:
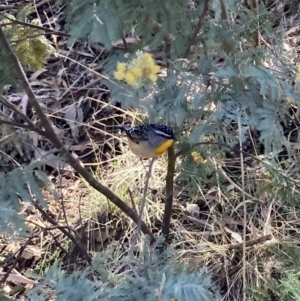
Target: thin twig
[125, 43]
[20, 252]
[30, 124]
[224, 12]
[76, 242]
[250, 243]
[27, 38]
[50, 134]
[16, 124]
[142, 205]
[48, 30]
[221, 170]
[245, 207]
[132, 200]
[169, 193]
[62, 200]
[168, 42]
[197, 28]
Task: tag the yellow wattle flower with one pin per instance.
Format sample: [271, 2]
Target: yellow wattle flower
[119, 75]
[136, 71]
[136, 63]
[121, 67]
[155, 68]
[147, 57]
[200, 160]
[153, 77]
[143, 67]
[146, 71]
[130, 78]
[194, 154]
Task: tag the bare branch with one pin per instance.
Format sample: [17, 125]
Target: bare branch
[143, 204]
[49, 133]
[48, 30]
[169, 192]
[197, 28]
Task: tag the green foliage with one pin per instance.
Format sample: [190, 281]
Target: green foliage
[63, 286]
[199, 174]
[246, 83]
[105, 21]
[7, 74]
[222, 80]
[151, 276]
[10, 140]
[226, 79]
[30, 44]
[20, 184]
[278, 184]
[287, 286]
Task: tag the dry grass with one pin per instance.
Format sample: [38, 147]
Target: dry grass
[214, 239]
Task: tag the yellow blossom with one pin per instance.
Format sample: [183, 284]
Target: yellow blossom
[121, 67]
[147, 57]
[200, 160]
[209, 139]
[289, 100]
[195, 154]
[136, 71]
[147, 71]
[143, 67]
[154, 68]
[130, 78]
[119, 75]
[137, 63]
[153, 77]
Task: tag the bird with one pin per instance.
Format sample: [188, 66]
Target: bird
[149, 140]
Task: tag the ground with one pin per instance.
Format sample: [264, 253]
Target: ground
[207, 226]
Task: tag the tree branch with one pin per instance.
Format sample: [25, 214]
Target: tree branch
[49, 133]
[197, 28]
[30, 125]
[48, 30]
[16, 124]
[16, 260]
[142, 205]
[250, 243]
[74, 239]
[169, 193]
